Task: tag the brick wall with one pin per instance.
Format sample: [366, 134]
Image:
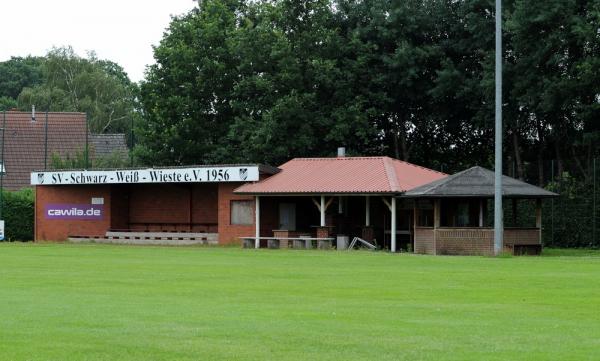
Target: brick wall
[159, 204]
[163, 206]
[205, 203]
[465, 241]
[119, 207]
[59, 230]
[424, 241]
[229, 233]
[470, 241]
[167, 207]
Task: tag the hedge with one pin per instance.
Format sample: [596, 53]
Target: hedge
[18, 214]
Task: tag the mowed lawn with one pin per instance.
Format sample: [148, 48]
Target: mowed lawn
[100, 302]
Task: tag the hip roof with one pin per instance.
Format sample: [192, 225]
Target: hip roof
[343, 175]
[477, 182]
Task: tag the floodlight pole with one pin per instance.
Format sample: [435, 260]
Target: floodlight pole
[3, 169]
[498, 222]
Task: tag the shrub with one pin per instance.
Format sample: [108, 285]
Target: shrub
[18, 214]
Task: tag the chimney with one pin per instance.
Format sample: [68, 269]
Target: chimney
[341, 152]
[33, 113]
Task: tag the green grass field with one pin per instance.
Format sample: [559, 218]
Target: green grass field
[98, 302]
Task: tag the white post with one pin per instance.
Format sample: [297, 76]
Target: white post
[367, 211]
[538, 217]
[322, 209]
[393, 224]
[340, 208]
[257, 221]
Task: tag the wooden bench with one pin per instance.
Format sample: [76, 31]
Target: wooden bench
[298, 242]
[151, 238]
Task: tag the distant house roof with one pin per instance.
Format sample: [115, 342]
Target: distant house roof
[104, 145]
[343, 175]
[24, 143]
[477, 182]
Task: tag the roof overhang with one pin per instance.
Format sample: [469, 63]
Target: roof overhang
[313, 194]
[487, 196]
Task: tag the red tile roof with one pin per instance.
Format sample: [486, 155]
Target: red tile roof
[24, 142]
[368, 175]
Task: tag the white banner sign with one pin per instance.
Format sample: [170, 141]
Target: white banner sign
[178, 175]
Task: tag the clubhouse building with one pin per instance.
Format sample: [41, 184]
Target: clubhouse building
[304, 203]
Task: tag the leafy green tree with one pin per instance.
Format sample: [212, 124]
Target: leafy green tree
[294, 97]
[186, 95]
[99, 88]
[270, 80]
[7, 103]
[18, 73]
[556, 46]
[260, 82]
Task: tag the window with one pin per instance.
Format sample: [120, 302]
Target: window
[462, 214]
[242, 212]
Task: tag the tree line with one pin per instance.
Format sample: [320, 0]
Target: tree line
[265, 81]
[269, 80]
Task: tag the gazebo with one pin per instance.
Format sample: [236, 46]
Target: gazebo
[450, 214]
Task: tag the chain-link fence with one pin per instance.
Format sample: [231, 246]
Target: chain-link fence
[573, 218]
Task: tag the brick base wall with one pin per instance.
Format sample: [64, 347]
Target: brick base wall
[143, 207]
[424, 241]
[230, 233]
[464, 241]
[469, 241]
[60, 229]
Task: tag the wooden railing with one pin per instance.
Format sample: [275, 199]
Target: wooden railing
[451, 234]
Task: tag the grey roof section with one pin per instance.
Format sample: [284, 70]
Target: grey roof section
[477, 182]
[108, 144]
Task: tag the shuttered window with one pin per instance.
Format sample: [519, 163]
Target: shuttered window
[242, 213]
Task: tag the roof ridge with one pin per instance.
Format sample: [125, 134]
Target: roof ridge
[416, 165]
[17, 112]
[444, 181]
[390, 172]
[335, 158]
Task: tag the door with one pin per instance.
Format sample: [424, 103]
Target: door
[287, 216]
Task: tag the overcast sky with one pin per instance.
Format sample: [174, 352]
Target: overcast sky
[119, 30]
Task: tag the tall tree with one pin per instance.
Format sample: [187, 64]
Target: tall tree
[556, 46]
[187, 93]
[274, 79]
[16, 74]
[294, 96]
[99, 88]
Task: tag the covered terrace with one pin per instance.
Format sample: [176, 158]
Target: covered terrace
[322, 198]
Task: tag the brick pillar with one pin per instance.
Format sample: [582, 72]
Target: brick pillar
[322, 232]
[283, 233]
